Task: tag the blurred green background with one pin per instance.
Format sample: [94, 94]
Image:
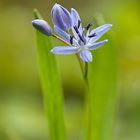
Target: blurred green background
[21, 107]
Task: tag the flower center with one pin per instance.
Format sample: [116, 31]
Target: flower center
[82, 48]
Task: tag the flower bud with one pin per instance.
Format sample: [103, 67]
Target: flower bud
[61, 17]
[42, 26]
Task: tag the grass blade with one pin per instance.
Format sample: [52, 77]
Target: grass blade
[101, 97]
[51, 84]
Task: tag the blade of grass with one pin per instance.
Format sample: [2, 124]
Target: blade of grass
[101, 96]
[51, 85]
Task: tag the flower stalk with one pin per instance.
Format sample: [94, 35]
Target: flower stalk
[86, 73]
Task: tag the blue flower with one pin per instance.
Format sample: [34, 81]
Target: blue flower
[61, 17]
[82, 40]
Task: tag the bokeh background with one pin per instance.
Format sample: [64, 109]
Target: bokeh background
[21, 106]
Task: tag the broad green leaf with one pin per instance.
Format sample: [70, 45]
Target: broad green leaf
[101, 98]
[51, 85]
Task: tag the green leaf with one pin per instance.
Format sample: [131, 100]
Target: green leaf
[51, 85]
[102, 94]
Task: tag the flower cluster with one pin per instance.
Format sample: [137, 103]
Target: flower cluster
[69, 28]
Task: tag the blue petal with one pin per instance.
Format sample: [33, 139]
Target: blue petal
[64, 50]
[64, 35]
[99, 32]
[61, 17]
[75, 19]
[42, 26]
[86, 55]
[75, 16]
[97, 45]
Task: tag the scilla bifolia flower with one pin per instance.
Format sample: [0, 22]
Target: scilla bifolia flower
[81, 40]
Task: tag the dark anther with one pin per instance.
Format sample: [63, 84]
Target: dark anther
[79, 22]
[81, 38]
[71, 40]
[77, 31]
[92, 35]
[88, 26]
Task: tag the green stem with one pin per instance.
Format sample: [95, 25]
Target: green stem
[80, 63]
[59, 38]
[89, 100]
[86, 73]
